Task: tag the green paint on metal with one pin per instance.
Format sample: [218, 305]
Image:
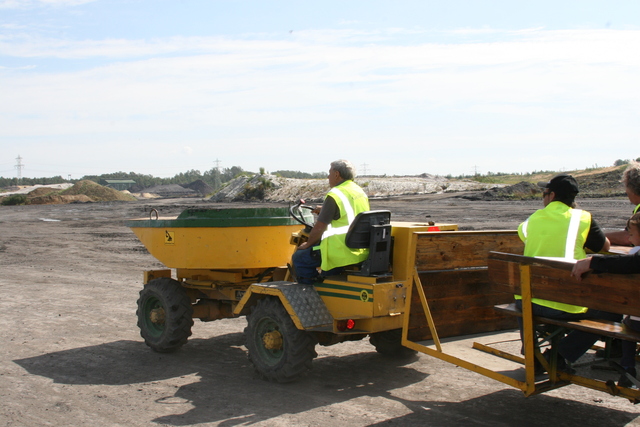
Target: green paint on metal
[345, 296]
[243, 217]
[340, 287]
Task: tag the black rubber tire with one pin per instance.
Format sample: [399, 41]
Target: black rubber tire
[294, 356]
[389, 343]
[165, 294]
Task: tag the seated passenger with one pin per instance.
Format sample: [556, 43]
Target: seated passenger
[619, 264]
[560, 230]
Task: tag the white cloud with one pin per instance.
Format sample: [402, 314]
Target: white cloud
[329, 88]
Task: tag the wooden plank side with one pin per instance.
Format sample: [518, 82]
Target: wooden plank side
[469, 322]
[461, 302]
[614, 293]
[504, 275]
[551, 280]
[462, 249]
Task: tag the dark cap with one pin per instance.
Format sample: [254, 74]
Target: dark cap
[562, 185]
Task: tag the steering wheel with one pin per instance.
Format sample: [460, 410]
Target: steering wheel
[296, 212]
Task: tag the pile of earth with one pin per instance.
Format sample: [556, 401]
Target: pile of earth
[520, 191]
[81, 192]
[197, 188]
[607, 184]
[169, 191]
[592, 185]
[273, 188]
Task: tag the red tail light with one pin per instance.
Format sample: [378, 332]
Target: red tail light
[345, 325]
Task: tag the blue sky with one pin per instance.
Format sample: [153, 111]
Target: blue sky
[397, 87]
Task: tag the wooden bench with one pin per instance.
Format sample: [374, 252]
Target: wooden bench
[551, 280]
[606, 328]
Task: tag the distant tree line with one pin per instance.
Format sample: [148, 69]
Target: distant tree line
[214, 177]
[8, 182]
[621, 162]
[300, 175]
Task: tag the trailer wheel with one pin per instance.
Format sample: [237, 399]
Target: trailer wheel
[164, 315]
[277, 349]
[389, 343]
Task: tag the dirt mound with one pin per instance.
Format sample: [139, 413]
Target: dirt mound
[592, 185]
[601, 185]
[55, 199]
[200, 186]
[170, 191]
[277, 189]
[42, 191]
[520, 191]
[96, 192]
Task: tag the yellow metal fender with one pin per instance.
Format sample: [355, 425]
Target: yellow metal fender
[302, 302]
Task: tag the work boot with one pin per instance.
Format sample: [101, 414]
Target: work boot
[624, 381]
[562, 364]
[615, 352]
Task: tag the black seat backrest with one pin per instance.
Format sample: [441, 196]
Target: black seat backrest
[359, 234]
[372, 230]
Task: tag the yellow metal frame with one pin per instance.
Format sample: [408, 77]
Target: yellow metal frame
[529, 386]
[438, 352]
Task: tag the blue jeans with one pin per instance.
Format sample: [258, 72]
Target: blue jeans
[576, 343]
[306, 263]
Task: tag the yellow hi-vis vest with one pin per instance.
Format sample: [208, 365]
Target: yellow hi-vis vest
[351, 200]
[556, 231]
[636, 209]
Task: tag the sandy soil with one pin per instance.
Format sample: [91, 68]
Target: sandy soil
[71, 354]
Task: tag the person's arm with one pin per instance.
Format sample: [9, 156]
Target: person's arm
[326, 214]
[620, 238]
[314, 235]
[596, 239]
[620, 264]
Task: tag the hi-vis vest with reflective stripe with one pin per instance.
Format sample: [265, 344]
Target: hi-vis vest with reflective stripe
[556, 231]
[351, 200]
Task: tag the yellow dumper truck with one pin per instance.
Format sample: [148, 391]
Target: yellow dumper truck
[425, 287]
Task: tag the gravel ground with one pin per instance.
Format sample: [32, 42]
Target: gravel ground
[71, 354]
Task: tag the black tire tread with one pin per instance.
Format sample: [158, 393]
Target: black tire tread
[299, 345]
[178, 314]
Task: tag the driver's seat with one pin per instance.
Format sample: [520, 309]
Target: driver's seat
[372, 230]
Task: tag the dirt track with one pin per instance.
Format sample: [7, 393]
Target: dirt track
[71, 354]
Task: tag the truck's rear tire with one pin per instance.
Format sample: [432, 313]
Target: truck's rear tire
[278, 350]
[389, 343]
[165, 315]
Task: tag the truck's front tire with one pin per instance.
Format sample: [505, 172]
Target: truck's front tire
[278, 350]
[164, 315]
